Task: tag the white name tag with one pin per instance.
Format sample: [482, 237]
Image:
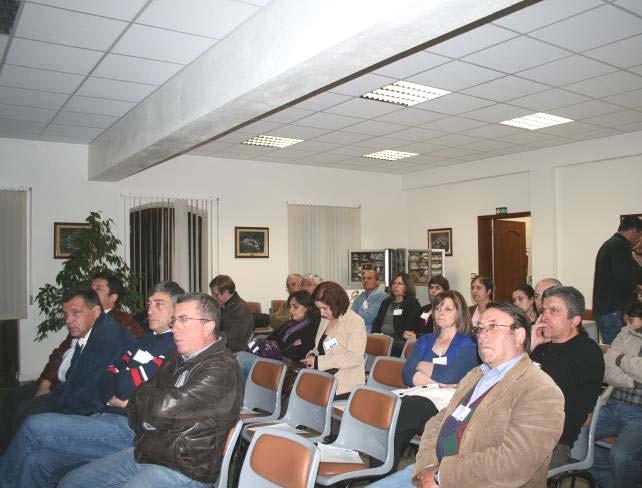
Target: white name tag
[461, 412]
[397, 312]
[425, 315]
[330, 343]
[364, 305]
[143, 357]
[440, 360]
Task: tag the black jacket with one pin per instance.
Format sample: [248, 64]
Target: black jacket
[237, 323]
[406, 321]
[616, 276]
[185, 427]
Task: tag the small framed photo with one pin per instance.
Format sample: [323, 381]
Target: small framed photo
[441, 239]
[66, 238]
[252, 242]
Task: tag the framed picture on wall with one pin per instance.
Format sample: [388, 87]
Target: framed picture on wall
[441, 239]
[252, 242]
[66, 238]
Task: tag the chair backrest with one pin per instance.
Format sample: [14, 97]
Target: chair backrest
[279, 459]
[386, 373]
[377, 345]
[230, 444]
[263, 387]
[407, 348]
[254, 307]
[310, 402]
[369, 422]
[276, 304]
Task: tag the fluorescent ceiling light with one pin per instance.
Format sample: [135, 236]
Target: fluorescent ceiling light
[389, 155]
[405, 93]
[536, 121]
[272, 141]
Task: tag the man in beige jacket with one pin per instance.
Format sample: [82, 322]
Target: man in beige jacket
[503, 421]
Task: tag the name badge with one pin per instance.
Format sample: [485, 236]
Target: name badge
[364, 305]
[143, 357]
[397, 312]
[440, 360]
[330, 343]
[461, 412]
[425, 315]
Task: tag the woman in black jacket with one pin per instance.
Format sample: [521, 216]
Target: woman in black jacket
[398, 312]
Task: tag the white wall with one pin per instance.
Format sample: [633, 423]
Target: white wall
[250, 193]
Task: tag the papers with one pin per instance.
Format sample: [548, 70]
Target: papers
[281, 426]
[331, 454]
[439, 396]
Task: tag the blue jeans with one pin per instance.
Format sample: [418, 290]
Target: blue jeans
[48, 445]
[246, 361]
[401, 479]
[620, 465]
[120, 469]
[609, 325]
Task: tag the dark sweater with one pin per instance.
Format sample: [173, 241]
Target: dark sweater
[577, 367]
[237, 323]
[406, 321]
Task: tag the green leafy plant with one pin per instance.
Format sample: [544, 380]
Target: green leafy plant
[97, 250]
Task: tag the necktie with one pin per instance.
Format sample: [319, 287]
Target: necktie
[74, 360]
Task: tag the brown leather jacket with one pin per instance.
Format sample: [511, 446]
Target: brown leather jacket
[182, 416]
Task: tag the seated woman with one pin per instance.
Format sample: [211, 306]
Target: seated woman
[425, 322]
[340, 340]
[524, 299]
[443, 357]
[290, 342]
[398, 313]
[481, 290]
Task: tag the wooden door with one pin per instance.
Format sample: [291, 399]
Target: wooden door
[511, 261]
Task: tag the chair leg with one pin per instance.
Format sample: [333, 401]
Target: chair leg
[241, 450]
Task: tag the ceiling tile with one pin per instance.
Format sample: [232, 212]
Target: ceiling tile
[455, 75]
[288, 115]
[31, 98]
[84, 120]
[26, 113]
[423, 148]
[471, 41]
[260, 127]
[526, 137]
[115, 89]
[98, 106]
[494, 131]
[637, 69]
[39, 79]
[497, 113]
[326, 158]
[631, 99]
[506, 88]
[47, 24]
[634, 127]
[21, 126]
[316, 146]
[82, 133]
[210, 148]
[342, 137]
[487, 145]
[606, 85]
[567, 70]
[624, 54]
[322, 101]
[291, 152]
[583, 110]
[244, 152]
[364, 108]
[548, 100]
[591, 29]
[328, 121]
[569, 129]
[455, 140]
[127, 68]
[24, 52]
[631, 5]
[116, 9]
[362, 84]
[453, 152]
[416, 134]
[456, 103]
[602, 133]
[161, 45]
[454, 124]
[411, 65]
[411, 116]
[297, 132]
[545, 13]
[210, 18]
[380, 143]
[516, 55]
[616, 119]
[348, 150]
[375, 128]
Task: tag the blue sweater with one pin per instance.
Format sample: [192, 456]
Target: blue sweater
[461, 354]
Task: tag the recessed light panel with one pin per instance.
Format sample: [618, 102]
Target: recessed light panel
[405, 93]
[272, 141]
[536, 121]
[389, 155]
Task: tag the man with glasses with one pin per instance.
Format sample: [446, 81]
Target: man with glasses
[571, 358]
[181, 417]
[502, 422]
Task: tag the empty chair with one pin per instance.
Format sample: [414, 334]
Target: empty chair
[582, 450]
[262, 399]
[386, 373]
[407, 348]
[377, 345]
[254, 307]
[309, 406]
[368, 427]
[230, 444]
[279, 459]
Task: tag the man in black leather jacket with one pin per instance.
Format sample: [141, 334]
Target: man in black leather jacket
[182, 416]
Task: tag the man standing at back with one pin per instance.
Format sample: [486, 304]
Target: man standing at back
[237, 323]
[617, 276]
[367, 304]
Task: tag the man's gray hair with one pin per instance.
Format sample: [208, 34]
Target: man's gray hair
[206, 305]
[312, 277]
[571, 296]
[172, 288]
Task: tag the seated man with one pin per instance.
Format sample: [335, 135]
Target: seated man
[282, 315]
[367, 304]
[237, 323]
[310, 281]
[503, 421]
[541, 286]
[571, 358]
[109, 289]
[622, 415]
[182, 416]
[47, 445]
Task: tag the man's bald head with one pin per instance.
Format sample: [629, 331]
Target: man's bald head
[541, 287]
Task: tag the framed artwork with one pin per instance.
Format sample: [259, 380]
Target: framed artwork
[66, 238]
[251, 242]
[441, 239]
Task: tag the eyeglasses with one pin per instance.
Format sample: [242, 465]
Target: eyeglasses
[478, 328]
[183, 320]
